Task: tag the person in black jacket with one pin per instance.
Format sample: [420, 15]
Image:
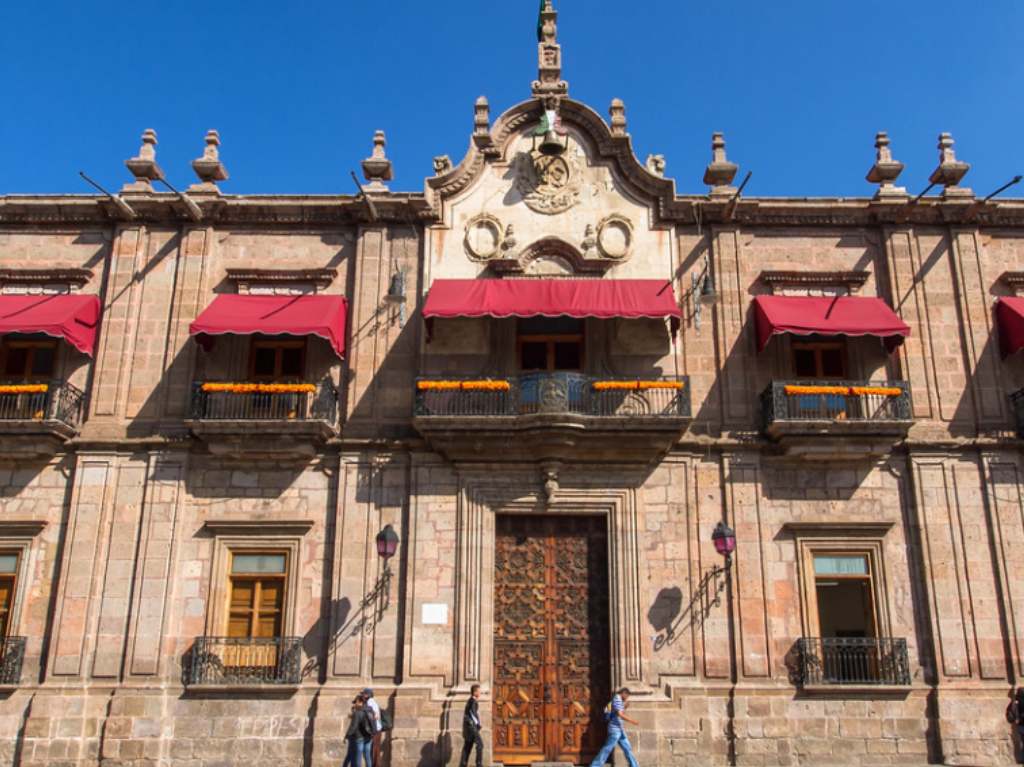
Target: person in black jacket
[1015, 716]
[471, 729]
[360, 732]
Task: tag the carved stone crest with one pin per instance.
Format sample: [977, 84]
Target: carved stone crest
[548, 183]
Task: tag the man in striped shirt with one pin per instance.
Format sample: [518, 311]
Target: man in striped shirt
[615, 716]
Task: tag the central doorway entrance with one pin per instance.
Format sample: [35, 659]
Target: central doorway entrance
[551, 648]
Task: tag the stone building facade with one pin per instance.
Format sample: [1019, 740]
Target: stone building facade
[191, 575]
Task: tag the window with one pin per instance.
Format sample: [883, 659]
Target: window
[844, 592]
[277, 360]
[8, 588]
[819, 359]
[256, 591]
[550, 343]
[28, 360]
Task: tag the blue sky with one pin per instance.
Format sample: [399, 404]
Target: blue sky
[296, 89]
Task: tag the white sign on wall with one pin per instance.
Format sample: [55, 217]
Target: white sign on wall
[435, 614]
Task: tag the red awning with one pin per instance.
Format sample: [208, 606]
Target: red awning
[305, 315]
[602, 299]
[1010, 318]
[73, 318]
[828, 316]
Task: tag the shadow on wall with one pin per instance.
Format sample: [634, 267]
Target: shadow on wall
[671, 620]
[439, 752]
[384, 407]
[343, 624]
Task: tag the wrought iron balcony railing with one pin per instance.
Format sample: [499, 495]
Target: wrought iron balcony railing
[53, 401]
[837, 401]
[213, 401]
[555, 393]
[855, 661]
[245, 661]
[12, 656]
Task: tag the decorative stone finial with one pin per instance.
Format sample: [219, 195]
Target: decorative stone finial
[656, 164]
[589, 239]
[720, 172]
[377, 167]
[442, 164]
[549, 80]
[950, 170]
[482, 126]
[509, 241]
[143, 166]
[885, 170]
[617, 113]
[209, 168]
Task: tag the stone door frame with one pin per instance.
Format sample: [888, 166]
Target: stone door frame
[480, 500]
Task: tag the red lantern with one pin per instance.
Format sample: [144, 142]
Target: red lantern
[387, 543]
[724, 539]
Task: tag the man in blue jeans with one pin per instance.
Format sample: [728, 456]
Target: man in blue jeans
[616, 735]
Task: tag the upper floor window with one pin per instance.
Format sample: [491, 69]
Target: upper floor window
[275, 360]
[256, 590]
[28, 360]
[819, 359]
[8, 588]
[550, 343]
[844, 591]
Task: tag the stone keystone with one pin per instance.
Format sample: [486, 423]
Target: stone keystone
[377, 167]
[143, 166]
[720, 172]
[209, 168]
[885, 170]
[950, 170]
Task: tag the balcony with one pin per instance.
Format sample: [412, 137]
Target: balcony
[836, 420]
[12, 656]
[223, 663]
[38, 418]
[854, 662]
[256, 419]
[551, 416]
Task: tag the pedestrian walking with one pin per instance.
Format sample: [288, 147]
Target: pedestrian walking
[471, 729]
[614, 715]
[373, 709]
[1015, 716]
[359, 735]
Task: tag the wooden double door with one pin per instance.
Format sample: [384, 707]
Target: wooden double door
[551, 646]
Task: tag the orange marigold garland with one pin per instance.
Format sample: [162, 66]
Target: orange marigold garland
[24, 388]
[857, 391]
[259, 388]
[635, 385]
[482, 385]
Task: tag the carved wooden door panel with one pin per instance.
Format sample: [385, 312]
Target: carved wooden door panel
[551, 638]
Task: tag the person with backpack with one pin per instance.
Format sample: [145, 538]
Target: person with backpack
[471, 728]
[359, 735]
[614, 715]
[1015, 716]
[381, 722]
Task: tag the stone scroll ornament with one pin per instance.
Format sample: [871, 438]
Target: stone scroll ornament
[548, 183]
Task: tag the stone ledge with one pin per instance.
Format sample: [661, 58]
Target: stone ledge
[856, 690]
[241, 690]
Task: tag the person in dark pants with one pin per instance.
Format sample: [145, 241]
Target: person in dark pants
[359, 735]
[1015, 716]
[471, 728]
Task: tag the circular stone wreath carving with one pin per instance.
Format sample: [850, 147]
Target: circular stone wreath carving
[483, 237]
[615, 236]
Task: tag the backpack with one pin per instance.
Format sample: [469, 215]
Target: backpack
[609, 711]
[385, 721]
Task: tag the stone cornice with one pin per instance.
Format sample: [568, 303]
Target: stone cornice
[414, 208]
[319, 277]
[289, 527]
[852, 281]
[70, 274]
